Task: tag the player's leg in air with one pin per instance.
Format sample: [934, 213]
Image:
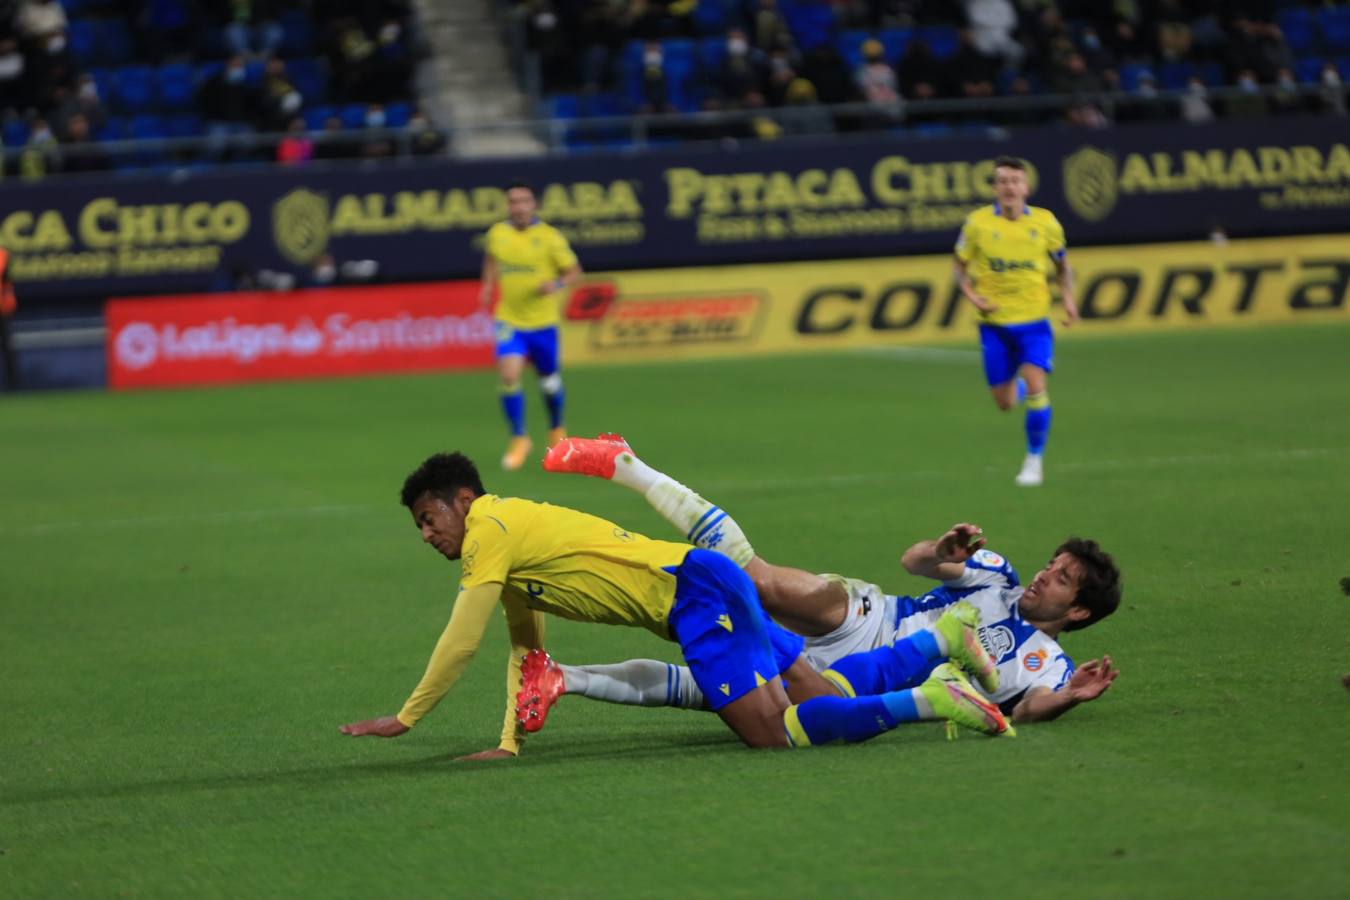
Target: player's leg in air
[544, 356]
[806, 603]
[511, 351]
[1017, 361]
[737, 654]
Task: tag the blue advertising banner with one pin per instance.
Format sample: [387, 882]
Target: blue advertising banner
[755, 202]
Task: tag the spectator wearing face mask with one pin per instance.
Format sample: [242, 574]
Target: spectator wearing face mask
[423, 138]
[380, 144]
[654, 93]
[82, 100]
[1248, 103]
[49, 69]
[1287, 99]
[742, 71]
[1195, 108]
[1333, 91]
[13, 84]
[228, 102]
[281, 101]
[251, 27]
[39, 156]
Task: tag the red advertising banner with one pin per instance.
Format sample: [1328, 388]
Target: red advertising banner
[214, 338]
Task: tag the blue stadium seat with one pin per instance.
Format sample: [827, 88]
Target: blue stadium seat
[1174, 75]
[943, 40]
[1308, 69]
[609, 103]
[1336, 28]
[15, 132]
[849, 44]
[114, 45]
[896, 41]
[174, 87]
[147, 127]
[811, 23]
[712, 17]
[317, 116]
[560, 106]
[184, 126]
[298, 34]
[397, 114]
[1297, 25]
[112, 130]
[134, 93]
[253, 72]
[1343, 66]
[310, 77]
[712, 52]
[353, 115]
[1211, 74]
[82, 38]
[1131, 73]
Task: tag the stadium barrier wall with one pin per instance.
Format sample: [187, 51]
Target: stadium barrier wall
[851, 197]
[214, 338]
[713, 311]
[794, 307]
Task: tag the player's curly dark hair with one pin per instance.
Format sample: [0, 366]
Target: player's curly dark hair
[442, 476]
[521, 183]
[1099, 591]
[1010, 162]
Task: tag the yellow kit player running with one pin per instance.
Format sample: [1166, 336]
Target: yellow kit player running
[532, 558]
[1002, 258]
[531, 262]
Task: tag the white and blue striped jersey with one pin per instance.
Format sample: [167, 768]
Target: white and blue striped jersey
[1026, 656]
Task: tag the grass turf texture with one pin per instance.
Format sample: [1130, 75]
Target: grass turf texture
[200, 586]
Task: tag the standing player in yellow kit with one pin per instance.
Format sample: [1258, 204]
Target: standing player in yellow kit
[1002, 258]
[531, 262]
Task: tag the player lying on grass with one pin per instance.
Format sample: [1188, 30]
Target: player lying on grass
[531, 558]
[840, 616]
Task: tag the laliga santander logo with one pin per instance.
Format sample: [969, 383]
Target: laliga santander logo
[140, 345]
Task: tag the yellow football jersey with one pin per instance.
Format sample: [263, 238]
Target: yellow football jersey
[525, 259]
[560, 561]
[1008, 261]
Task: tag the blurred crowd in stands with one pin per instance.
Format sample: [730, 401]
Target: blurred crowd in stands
[615, 57]
[332, 75]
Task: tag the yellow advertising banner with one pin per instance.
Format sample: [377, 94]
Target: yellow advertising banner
[800, 307]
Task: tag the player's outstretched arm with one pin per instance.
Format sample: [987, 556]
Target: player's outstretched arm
[1087, 683]
[385, 726]
[1066, 291]
[526, 629]
[453, 652]
[945, 558]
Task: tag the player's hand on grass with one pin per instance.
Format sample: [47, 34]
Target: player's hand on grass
[1091, 680]
[960, 543]
[385, 726]
[494, 753]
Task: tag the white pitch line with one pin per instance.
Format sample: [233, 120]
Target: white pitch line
[236, 515]
[708, 487]
[928, 354]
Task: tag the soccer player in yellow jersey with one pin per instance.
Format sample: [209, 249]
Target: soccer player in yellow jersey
[532, 558]
[1002, 258]
[531, 262]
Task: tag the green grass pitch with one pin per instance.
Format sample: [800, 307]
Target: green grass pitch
[198, 587]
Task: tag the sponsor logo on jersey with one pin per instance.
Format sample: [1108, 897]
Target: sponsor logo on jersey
[725, 621]
[534, 590]
[1034, 661]
[998, 641]
[988, 558]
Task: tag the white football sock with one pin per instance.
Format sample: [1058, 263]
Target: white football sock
[702, 523]
[636, 682]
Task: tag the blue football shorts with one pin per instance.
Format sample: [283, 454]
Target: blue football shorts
[539, 345]
[729, 641]
[1007, 347]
